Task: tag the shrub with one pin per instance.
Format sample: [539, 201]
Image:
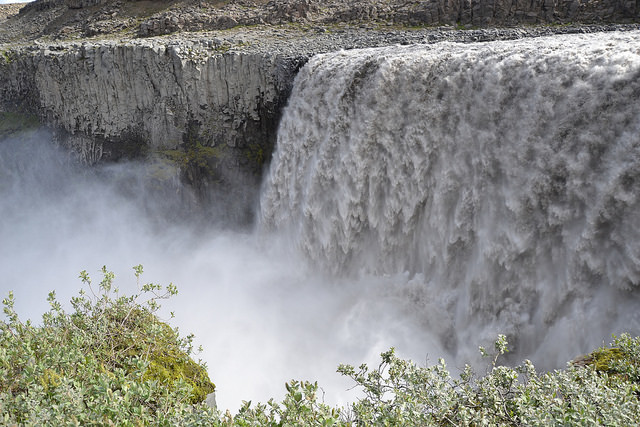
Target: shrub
[112, 361]
[400, 393]
[109, 361]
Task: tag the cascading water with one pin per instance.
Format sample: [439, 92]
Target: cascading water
[500, 181]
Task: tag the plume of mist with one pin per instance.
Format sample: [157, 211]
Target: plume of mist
[261, 313]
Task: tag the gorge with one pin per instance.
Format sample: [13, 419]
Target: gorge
[426, 196]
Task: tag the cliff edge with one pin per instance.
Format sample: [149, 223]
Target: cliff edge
[202, 83]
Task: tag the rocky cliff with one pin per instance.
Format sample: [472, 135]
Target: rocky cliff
[148, 92]
[206, 110]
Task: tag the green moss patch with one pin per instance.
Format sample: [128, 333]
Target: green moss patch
[619, 360]
[13, 124]
[146, 336]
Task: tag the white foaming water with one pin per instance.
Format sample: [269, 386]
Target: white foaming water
[427, 183]
[503, 178]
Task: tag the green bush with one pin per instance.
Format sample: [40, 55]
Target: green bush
[401, 393]
[113, 362]
[109, 361]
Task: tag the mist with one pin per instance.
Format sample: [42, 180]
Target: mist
[262, 314]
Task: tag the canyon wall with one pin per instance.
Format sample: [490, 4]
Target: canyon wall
[110, 99]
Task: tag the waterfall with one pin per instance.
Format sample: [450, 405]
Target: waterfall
[499, 181]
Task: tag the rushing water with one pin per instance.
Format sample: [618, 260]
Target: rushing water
[503, 178]
[425, 197]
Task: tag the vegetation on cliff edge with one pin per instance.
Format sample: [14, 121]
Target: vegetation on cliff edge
[112, 361]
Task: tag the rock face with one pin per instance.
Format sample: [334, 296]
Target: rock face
[150, 95]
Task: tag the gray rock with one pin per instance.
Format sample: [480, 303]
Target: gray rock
[211, 400]
[108, 91]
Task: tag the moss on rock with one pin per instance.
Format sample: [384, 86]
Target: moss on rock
[168, 363]
[139, 333]
[13, 124]
[605, 359]
[613, 361]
